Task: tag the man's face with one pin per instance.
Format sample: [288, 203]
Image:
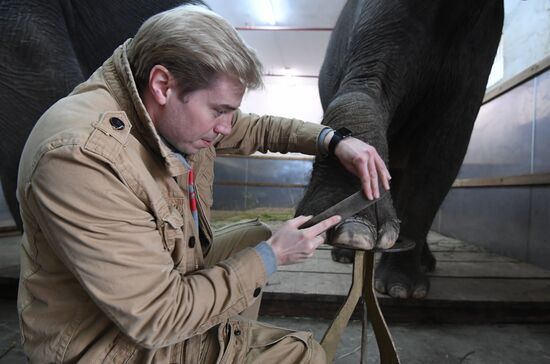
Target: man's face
[192, 121]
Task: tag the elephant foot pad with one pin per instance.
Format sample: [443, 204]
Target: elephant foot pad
[401, 245]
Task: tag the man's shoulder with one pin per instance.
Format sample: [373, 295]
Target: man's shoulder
[73, 116]
[89, 120]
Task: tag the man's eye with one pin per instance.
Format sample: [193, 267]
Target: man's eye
[219, 112]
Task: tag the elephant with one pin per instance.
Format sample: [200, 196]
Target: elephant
[407, 77]
[49, 47]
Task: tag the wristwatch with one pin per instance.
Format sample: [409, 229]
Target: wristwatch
[339, 135]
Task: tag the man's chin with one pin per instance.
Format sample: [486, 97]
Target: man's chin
[193, 149]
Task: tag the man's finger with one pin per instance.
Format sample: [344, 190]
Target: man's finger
[373, 177]
[323, 226]
[365, 180]
[299, 220]
[384, 171]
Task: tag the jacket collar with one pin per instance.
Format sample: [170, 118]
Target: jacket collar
[120, 81]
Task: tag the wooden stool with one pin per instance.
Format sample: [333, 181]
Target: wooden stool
[362, 285]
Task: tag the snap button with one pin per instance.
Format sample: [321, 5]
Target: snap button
[237, 332]
[191, 243]
[257, 292]
[116, 123]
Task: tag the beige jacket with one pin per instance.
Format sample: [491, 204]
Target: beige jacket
[111, 264]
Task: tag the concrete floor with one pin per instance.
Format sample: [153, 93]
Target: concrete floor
[441, 344]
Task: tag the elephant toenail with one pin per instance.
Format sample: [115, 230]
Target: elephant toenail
[420, 293]
[379, 286]
[398, 291]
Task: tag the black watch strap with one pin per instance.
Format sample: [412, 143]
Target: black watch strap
[339, 135]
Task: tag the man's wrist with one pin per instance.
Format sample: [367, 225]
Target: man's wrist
[338, 135]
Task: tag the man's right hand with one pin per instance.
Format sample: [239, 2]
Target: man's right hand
[292, 245]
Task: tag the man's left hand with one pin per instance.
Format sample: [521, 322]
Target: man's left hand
[364, 161]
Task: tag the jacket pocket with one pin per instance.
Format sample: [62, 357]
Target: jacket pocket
[171, 230]
[174, 239]
[228, 348]
[241, 337]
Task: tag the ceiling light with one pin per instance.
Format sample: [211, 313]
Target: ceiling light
[267, 13]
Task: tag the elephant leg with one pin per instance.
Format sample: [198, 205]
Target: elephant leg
[427, 259]
[376, 226]
[41, 67]
[439, 134]
[435, 157]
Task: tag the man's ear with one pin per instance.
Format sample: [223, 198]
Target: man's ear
[160, 82]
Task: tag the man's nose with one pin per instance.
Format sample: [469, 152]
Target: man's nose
[224, 127]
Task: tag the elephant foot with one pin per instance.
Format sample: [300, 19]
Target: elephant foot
[354, 233]
[398, 276]
[358, 233]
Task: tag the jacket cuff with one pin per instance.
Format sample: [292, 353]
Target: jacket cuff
[268, 257]
[321, 145]
[306, 138]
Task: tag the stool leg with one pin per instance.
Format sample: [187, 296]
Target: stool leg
[386, 346]
[364, 332]
[334, 332]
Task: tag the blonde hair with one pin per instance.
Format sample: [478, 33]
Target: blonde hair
[195, 45]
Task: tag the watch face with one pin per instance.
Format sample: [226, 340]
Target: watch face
[343, 132]
[339, 135]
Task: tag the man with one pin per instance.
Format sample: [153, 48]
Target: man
[117, 264]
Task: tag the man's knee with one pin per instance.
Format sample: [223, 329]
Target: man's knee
[301, 347]
[318, 354]
[259, 231]
[252, 232]
[291, 350]
[247, 230]
[273, 344]
[234, 238]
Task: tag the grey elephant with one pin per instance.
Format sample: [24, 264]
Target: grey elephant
[49, 47]
[408, 77]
